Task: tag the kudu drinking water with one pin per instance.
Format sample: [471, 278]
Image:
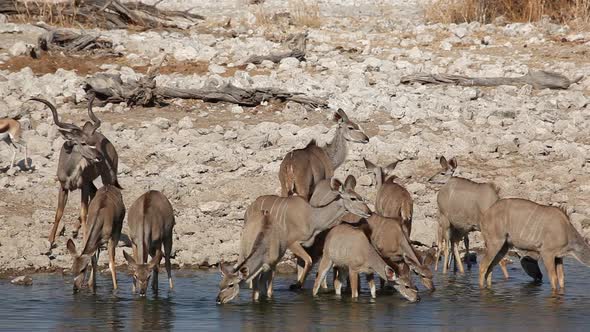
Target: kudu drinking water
[105, 220]
[151, 221]
[461, 204]
[302, 169]
[84, 156]
[11, 134]
[348, 247]
[530, 227]
[292, 223]
[393, 200]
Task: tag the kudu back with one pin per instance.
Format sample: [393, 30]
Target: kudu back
[85, 155]
[151, 222]
[530, 227]
[302, 169]
[393, 200]
[105, 221]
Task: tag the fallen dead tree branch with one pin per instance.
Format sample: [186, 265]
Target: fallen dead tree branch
[111, 89]
[70, 41]
[109, 14]
[537, 79]
[298, 51]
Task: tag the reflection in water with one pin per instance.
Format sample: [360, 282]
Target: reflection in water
[458, 303]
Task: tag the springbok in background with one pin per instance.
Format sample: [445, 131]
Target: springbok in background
[11, 134]
[151, 220]
[84, 155]
[105, 216]
[530, 227]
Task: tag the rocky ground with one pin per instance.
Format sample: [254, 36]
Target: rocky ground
[212, 160]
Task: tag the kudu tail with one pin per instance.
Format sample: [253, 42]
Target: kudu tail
[579, 248]
[406, 210]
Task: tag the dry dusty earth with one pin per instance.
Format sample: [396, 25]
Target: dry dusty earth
[212, 160]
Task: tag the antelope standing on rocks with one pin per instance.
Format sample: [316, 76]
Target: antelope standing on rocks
[151, 220]
[530, 227]
[302, 169]
[11, 134]
[105, 216]
[349, 247]
[461, 204]
[297, 223]
[393, 200]
[84, 156]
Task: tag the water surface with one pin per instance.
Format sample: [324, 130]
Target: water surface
[457, 304]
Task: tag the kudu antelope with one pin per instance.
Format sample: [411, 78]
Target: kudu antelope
[260, 250]
[84, 156]
[105, 220]
[393, 244]
[393, 200]
[11, 134]
[530, 227]
[151, 220]
[348, 247]
[302, 169]
[300, 222]
[461, 204]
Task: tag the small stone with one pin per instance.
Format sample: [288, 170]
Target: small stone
[22, 281]
[185, 123]
[237, 109]
[216, 69]
[289, 63]
[19, 48]
[161, 123]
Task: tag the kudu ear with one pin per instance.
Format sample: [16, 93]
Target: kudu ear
[369, 165]
[390, 273]
[335, 184]
[340, 116]
[225, 269]
[350, 183]
[243, 273]
[391, 166]
[155, 261]
[71, 248]
[129, 259]
[443, 163]
[453, 163]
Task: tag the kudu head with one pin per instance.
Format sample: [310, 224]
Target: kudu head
[404, 284]
[381, 173]
[447, 170]
[329, 190]
[142, 272]
[79, 266]
[229, 287]
[81, 140]
[352, 131]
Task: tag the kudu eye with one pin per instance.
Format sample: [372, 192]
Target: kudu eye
[231, 286]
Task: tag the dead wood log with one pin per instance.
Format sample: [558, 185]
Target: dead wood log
[297, 51]
[110, 14]
[537, 79]
[111, 89]
[71, 41]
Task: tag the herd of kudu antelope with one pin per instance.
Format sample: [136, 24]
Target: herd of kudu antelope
[317, 217]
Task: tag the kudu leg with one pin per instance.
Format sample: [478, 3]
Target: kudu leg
[61, 204]
[82, 221]
[560, 272]
[504, 268]
[156, 270]
[549, 261]
[371, 282]
[298, 251]
[354, 283]
[338, 281]
[446, 249]
[256, 287]
[494, 252]
[136, 257]
[269, 280]
[457, 255]
[323, 268]
[13, 155]
[93, 271]
[112, 267]
[467, 257]
[167, 254]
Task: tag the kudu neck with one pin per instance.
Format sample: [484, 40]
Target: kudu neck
[337, 149]
[326, 216]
